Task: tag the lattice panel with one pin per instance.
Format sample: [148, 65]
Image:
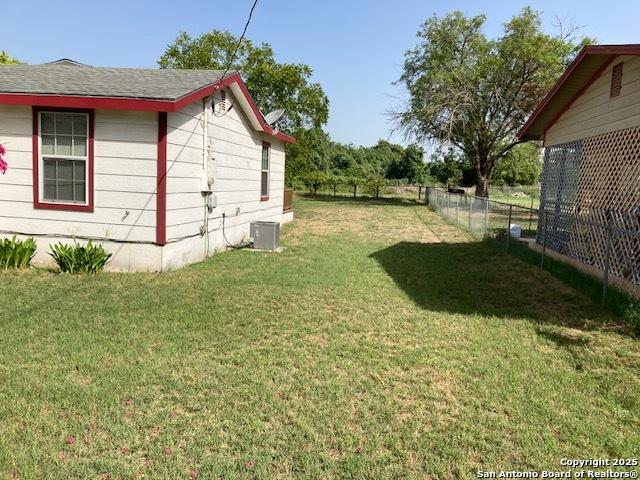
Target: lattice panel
[608, 193]
[557, 197]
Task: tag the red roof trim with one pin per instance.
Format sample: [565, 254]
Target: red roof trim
[115, 103]
[265, 126]
[94, 103]
[616, 50]
[552, 92]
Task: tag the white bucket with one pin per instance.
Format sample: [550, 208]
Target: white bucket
[515, 230]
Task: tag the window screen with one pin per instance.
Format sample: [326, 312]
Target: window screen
[64, 156]
[264, 177]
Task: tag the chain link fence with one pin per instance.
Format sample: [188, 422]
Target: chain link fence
[394, 190]
[481, 216]
[605, 251]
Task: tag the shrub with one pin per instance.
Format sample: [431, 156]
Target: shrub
[78, 258]
[16, 253]
[632, 315]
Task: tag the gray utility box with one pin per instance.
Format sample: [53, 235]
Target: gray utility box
[266, 235]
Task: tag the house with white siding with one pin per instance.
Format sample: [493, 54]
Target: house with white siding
[163, 167]
[589, 124]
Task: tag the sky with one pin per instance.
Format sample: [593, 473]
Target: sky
[355, 47]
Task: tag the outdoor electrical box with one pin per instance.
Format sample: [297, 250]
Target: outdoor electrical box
[266, 235]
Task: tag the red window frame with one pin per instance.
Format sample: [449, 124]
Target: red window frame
[37, 203]
[264, 198]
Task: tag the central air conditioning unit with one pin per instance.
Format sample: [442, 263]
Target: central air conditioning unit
[266, 235]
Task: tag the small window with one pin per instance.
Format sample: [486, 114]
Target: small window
[264, 173]
[64, 157]
[616, 80]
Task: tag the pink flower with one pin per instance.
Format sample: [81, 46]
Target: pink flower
[3, 164]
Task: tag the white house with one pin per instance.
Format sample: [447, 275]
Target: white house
[163, 167]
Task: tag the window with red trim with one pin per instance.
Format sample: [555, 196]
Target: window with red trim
[264, 171]
[63, 159]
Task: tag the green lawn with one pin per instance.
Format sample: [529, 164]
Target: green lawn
[382, 343]
[514, 195]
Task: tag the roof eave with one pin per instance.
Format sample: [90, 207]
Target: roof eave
[146, 104]
[528, 132]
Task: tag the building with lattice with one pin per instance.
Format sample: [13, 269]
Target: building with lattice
[589, 124]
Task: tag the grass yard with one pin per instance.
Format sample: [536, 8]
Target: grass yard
[514, 195]
[382, 343]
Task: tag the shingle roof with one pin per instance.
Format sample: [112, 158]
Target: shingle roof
[66, 77]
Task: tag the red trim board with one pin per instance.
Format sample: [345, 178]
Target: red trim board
[584, 88]
[612, 50]
[144, 104]
[161, 181]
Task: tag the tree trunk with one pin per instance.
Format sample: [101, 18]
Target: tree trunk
[482, 186]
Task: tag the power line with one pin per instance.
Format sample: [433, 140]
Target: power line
[244, 31]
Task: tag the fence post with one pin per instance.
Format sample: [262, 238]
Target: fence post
[334, 189]
[509, 226]
[448, 205]
[544, 239]
[470, 200]
[607, 261]
[457, 208]
[486, 216]
[530, 214]
[377, 190]
[355, 188]
[419, 191]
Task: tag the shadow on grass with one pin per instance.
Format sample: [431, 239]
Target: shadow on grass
[366, 201]
[478, 278]
[561, 340]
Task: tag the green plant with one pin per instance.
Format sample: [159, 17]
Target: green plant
[78, 258]
[632, 316]
[16, 253]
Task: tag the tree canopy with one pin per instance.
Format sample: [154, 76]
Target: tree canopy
[316, 157]
[522, 165]
[473, 93]
[5, 58]
[272, 84]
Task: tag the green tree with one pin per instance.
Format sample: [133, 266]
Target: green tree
[474, 93]
[447, 167]
[5, 58]
[521, 165]
[272, 84]
[311, 153]
[409, 166]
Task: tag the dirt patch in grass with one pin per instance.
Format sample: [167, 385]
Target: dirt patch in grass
[402, 221]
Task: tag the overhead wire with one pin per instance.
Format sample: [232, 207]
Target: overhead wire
[233, 57]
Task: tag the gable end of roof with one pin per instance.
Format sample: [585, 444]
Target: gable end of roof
[590, 63]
